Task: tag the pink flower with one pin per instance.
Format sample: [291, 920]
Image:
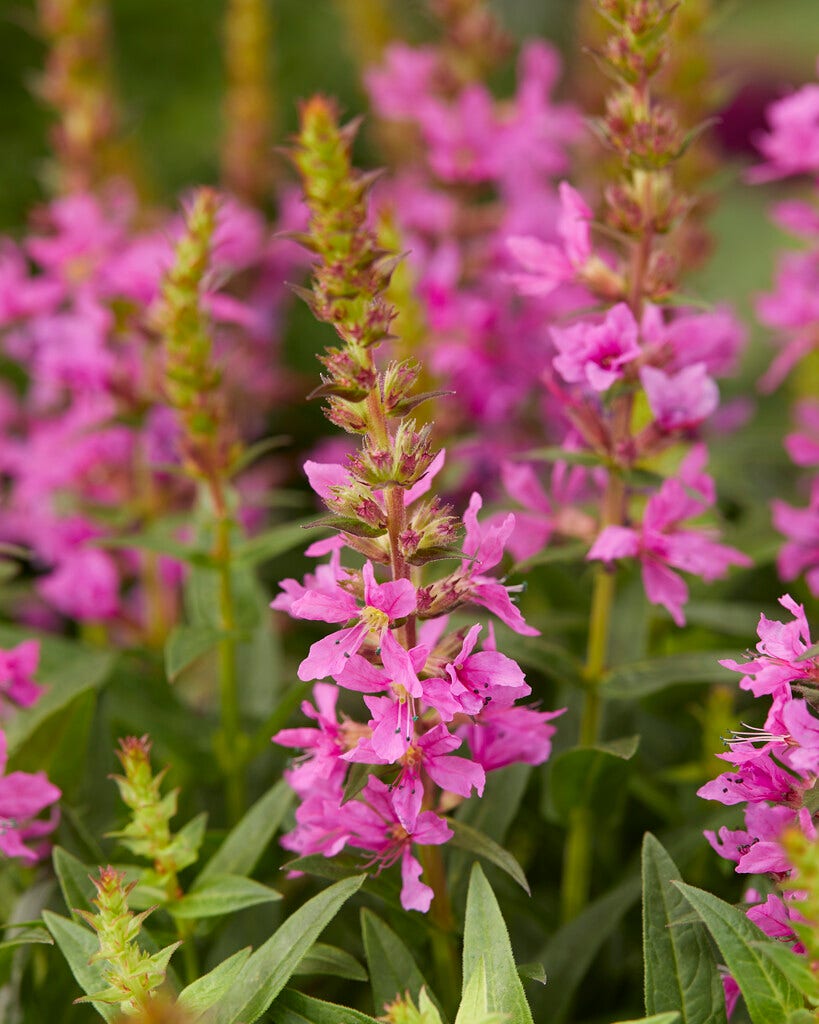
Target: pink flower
[84, 585]
[547, 265]
[800, 553]
[500, 736]
[383, 604]
[662, 546]
[791, 145]
[17, 666]
[781, 648]
[682, 400]
[22, 798]
[375, 826]
[596, 353]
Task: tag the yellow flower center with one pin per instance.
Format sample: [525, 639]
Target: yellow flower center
[376, 620]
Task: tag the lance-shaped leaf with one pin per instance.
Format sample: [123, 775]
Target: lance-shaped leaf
[222, 894]
[768, 992]
[294, 1008]
[78, 945]
[201, 994]
[249, 838]
[473, 841]
[487, 947]
[393, 969]
[267, 971]
[324, 959]
[672, 1017]
[679, 969]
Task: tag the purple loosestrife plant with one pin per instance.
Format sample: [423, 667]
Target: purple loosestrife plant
[440, 711]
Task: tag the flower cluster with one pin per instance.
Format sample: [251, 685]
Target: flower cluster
[473, 170]
[639, 376]
[773, 770]
[791, 311]
[429, 690]
[88, 448]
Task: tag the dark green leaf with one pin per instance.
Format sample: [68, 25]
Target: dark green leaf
[573, 551]
[534, 972]
[26, 937]
[646, 677]
[554, 454]
[392, 967]
[486, 943]
[324, 959]
[294, 1008]
[769, 994]
[185, 645]
[75, 882]
[246, 842]
[591, 776]
[268, 969]
[473, 841]
[679, 969]
[275, 541]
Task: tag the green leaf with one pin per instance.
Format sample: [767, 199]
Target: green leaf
[66, 670]
[244, 845]
[268, 969]
[556, 454]
[768, 993]
[659, 1018]
[28, 936]
[679, 969]
[185, 644]
[591, 776]
[473, 841]
[357, 778]
[222, 894]
[795, 968]
[802, 1017]
[324, 959]
[275, 541]
[294, 1008]
[486, 941]
[201, 994]
[651, 676]
[78, 945]
[574, 551]
[474, 1008]
[534, 972]
[75, 883]
[392, 967]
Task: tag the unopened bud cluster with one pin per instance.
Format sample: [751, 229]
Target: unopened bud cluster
[148, 834]
[132, 975]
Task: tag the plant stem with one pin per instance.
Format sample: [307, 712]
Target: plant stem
[444, 953]
[232, 747]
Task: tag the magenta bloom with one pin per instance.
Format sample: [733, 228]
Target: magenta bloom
[781, 648]
[800, 552]
[22, 797]
[503, 735]
[681, 400]
[17, 666]
[383, 604]
[791, 145]
[374, 825]
[596, 353]
[662, 546]
[547, 265]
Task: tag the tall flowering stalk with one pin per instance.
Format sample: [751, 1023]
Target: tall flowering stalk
[77, 83]
[427, 687]
[193, 386]
[248, 105]
[637, 343]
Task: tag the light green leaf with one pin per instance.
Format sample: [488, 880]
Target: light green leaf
[201, 994]
[392, 967]
[294, 1008]
[769, 994]
[679, 969]
[324, 959]
[185, 645]
[244, 845]
[78, 945]
[643, 678]
[486, 941]
[267, 971]
[557, 454]
[474, 1008]
[222, 894]
[470, 839]
[27, 937]
[658, 1018]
